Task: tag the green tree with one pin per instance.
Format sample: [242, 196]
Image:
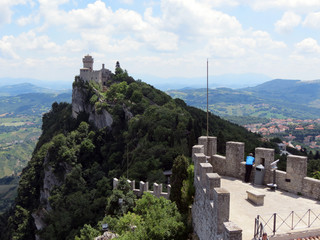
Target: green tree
[159, 219]
[187, 191]
[179, 174]
[87, 233]
[121, 200]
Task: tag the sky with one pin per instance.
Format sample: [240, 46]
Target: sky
[46, 39]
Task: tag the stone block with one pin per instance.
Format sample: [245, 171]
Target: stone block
[199, 158]
[209, 143]
[265, 156]
[231, 231]
[256, 197]
[197, 149]
[221, 198]
[204, 169]
[234, 156]
[213, 181]
[296, 172]
[218, 163]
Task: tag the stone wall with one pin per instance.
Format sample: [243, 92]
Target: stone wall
[144, 187]
[210, 211]
[294, 180]
[211, 207]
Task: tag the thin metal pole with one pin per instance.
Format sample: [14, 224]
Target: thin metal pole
[274, 223]
[207, 99]
[127, 161]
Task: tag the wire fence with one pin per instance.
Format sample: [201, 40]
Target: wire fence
[283, 223]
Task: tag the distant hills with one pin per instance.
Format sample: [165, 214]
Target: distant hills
[56, 85]
[24, 88]
[233, 81]
[31, 103]
[277, 98]
[29, 99]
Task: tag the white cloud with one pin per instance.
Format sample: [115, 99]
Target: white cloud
[6, 50]
[264, 41]
[98, 21]
[297, 5]
[171, 38]
[193, 18]
[28, 43]
[6, 12]
[312, 20]
[288, 21]
[220, 3]
[307, 47]
[127, 1]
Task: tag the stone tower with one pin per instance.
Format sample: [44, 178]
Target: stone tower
[87, 62]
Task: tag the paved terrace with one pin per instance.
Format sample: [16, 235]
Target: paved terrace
[243, 212]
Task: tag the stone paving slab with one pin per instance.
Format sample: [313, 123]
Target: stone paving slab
[243, 212]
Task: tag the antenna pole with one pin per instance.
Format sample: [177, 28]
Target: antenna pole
[207, 101]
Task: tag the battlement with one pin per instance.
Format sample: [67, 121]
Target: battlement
[211, 206]
[294, 179]
[144, 187]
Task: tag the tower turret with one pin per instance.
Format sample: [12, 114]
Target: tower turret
[87, 62]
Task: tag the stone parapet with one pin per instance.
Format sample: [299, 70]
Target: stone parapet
[234, 156]
[211, 207]
[144, 187]
[209, 144]
[231, 231]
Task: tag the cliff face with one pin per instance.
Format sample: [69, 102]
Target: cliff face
[80, 104]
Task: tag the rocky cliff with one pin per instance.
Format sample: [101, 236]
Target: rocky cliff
[80, 104]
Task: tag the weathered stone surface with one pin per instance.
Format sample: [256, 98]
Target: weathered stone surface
[49, 182]
[80, 104]
[144, 187]
[232, 231]
[296, 172]
[265, 156]
[107, 236]
[210, 145]
[234, 157]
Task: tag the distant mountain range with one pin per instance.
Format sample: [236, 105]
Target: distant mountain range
[24, 88]
[233, 81]
[277, 98]
[56, 85]
[28, 99]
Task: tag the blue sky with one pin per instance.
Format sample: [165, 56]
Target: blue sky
[46, 39]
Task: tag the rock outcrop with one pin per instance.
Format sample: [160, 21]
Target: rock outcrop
[81, 104]
[50, 180]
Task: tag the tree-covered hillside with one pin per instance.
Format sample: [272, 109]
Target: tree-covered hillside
[68, 180]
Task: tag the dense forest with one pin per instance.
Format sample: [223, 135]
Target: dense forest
[83, 160]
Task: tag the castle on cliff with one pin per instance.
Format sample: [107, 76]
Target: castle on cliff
[99, 76]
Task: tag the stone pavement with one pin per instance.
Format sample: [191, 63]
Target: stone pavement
[243, 212]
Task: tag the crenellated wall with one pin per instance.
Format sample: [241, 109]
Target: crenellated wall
[144, 187]
[294, 180]
[211, 207]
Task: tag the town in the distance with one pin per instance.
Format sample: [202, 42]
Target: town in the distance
[295, 133]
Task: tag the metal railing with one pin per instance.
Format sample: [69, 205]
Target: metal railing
[292, 221]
